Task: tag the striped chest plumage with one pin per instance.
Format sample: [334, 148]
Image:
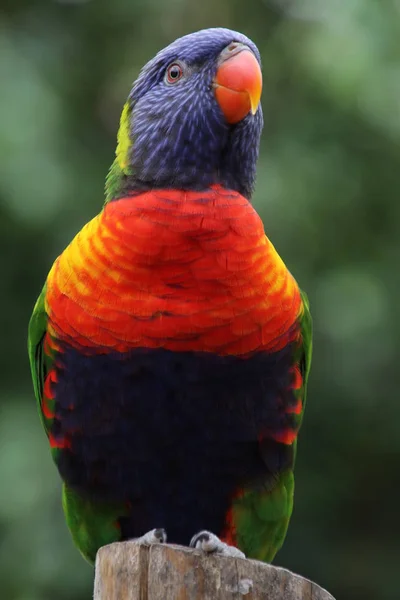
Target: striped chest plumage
[174, 270]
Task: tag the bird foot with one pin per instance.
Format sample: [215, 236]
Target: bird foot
[210, 543]
[155, 536]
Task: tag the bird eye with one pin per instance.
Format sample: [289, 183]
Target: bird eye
[174, 73]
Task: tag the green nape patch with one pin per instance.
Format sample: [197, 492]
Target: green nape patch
[120, 168]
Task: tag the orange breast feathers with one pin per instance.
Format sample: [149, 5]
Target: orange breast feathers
[185, 271]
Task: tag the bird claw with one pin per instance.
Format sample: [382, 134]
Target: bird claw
[210, 543]
[155, 536]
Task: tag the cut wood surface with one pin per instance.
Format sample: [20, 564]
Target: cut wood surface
[128, 571]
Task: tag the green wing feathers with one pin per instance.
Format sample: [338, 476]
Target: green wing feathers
[42, 358]
[306, 347]
[40, 362]
[261, 515]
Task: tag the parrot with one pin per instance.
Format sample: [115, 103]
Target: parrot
[170, 346]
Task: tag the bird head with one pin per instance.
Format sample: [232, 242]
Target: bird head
[193, 118]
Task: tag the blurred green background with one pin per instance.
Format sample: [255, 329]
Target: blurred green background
[328, 191]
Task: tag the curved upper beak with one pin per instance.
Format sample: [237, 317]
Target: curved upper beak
[238, 82]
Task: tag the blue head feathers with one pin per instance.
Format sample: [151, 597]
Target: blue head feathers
[176, 133]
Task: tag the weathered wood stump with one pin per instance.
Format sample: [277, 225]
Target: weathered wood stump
[127, 571]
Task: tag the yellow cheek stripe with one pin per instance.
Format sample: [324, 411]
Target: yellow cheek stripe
[124, 141]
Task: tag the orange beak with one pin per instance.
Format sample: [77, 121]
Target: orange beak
[238, 84]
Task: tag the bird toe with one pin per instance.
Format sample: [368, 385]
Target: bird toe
[210, 543]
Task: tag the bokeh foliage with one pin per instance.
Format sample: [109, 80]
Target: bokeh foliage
[328, 191]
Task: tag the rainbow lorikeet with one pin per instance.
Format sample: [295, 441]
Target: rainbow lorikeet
[170, 346]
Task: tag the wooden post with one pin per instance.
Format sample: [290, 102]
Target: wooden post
[128, 571]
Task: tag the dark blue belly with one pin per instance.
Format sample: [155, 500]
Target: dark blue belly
[175, 435]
